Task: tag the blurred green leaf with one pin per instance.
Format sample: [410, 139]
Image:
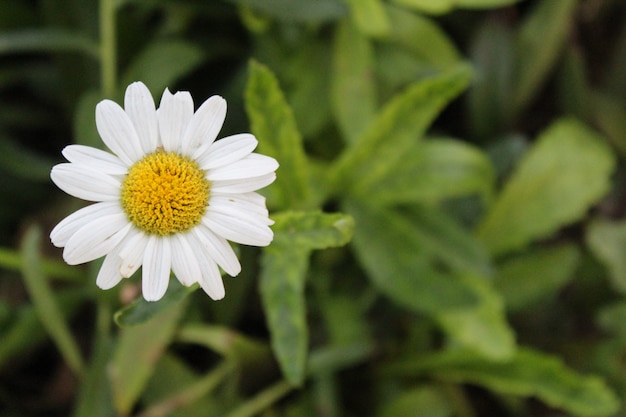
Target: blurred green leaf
[482, 328]
[84, 126]
[607, 240]
[137, 350]
[531, 277]
[311, 230]
[344, 318]
[45, 302]
[297, 10]
[613, 318]
[609, 115]
[399, 263]
[421, 401]
[370, 17]
[445, 6]
[161, 63]
[23, 163]
[354, 95]
[528, 373]
[434, 170]
[47, 40]
[397, 127]
[272, 122]
[140, 310]
[574, 91]
[539, 45]
[281, 285]
[566, 171]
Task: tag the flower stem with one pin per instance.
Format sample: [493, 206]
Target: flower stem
[108, 56]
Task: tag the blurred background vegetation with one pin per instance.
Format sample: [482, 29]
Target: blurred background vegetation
[450, 233]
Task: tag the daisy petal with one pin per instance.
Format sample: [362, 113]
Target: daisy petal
[238, 227]
[84, 183]
[227, 150]
[131, 252]
[175, 112]
[219, 249]
[117, 131]
[253, 203]
[96, 159]
[184, 261]
[140, 108]
[109, 275]
[205, 124]
[211, 280]
[63, 231]
[252, 166]
[243, 185]
[157, 261]
[95, 239]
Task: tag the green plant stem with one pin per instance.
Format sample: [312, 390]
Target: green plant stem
[12, 260]
[108, 41]
[262, 400]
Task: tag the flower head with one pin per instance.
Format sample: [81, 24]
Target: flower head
[169, 197]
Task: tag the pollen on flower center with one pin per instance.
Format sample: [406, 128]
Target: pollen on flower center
[165, 193]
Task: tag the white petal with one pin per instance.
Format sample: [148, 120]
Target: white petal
[219, 249]
[227, 150]
[132, 251]
[253, 203]
[211, 280]
[243, 185]
[184, 261]
[63, 231]
[117, 131]
[140, 108]
[204, 125]
[157, 261]
[96, 239]
[85, 183]
[109, 275]
[238, 227]
[96, 159]
[175, 112]
[253, 165]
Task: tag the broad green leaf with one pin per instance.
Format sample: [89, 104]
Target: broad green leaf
[273, 124]
[482, 328]
[400, 265]
[609, 114]
[491, 93]
[137, 350]
[528, 373]
[311, 230]
[445, 6]
[395, 129]
[435, 170]
[141, 310]
[161, 63]
[45, 303]
[354, 95]
[370, 17]
[281, 286]
[566, 171]
[47, 40]
[607, 240]
[421, 401]
[532, 277]
[297, 10]
[538, 46]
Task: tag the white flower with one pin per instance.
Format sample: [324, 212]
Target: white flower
[169, 197]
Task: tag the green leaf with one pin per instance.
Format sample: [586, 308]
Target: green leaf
[400, 265]
[47, 40]
[45, 302]
[539, 44]
[445, 6]
[574, 90]
[421, 401]
[395, 130]
[140, 310]
[354, 95]
[607, 240]
[434, 170]
[281, 285]
[532, 277]
[528, 373]
[161, 63]
[273, 124]
[137, 350]
[84, 126]
[612, 318]
[566, 171]
[609, 114]
[23, 163]
[370, 17]
[311, 230]
[297, 10]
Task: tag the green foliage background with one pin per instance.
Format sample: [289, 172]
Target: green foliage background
[449, 240]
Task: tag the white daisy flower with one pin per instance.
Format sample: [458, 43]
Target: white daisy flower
[168, 198]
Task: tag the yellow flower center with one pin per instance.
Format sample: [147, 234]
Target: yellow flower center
[165, 193]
